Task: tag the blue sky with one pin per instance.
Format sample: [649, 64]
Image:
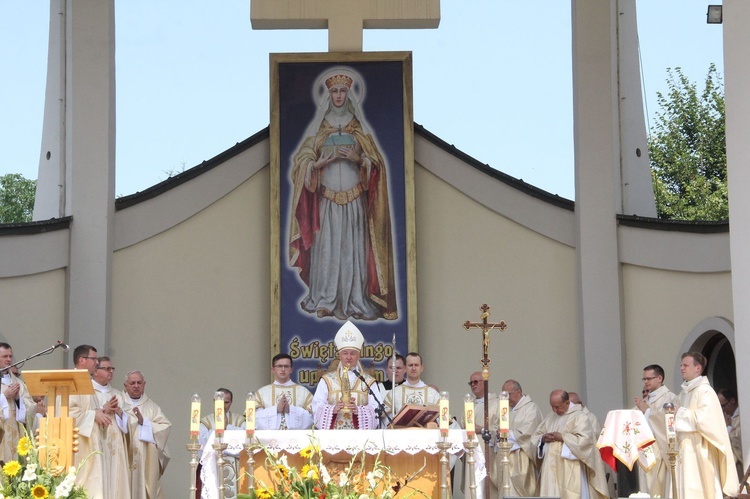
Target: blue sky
[494, 80]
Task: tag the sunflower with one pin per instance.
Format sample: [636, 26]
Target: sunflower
[308, 451]
[11, 468]
[40, 492]
[309, 471]
[24, 445]
[263, 493]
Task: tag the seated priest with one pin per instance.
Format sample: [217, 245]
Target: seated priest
[347, 397]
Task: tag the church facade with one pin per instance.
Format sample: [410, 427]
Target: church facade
[590, 296]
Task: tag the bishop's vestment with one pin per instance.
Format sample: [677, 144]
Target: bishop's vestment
[705, 466]
[299, 416]
[566, 464]
[329, 392]
[147, 445]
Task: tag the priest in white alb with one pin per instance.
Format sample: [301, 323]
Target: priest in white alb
[572, 467]
[15, 406]
[283, 405]
[147, 439]
[347, 397]
[654, 460]
[705, 467]
[413, 391]
[525, 417]
[114, 445]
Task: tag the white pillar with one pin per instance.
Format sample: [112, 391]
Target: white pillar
[90, 166]
[737, 104]
[636, 189]
[50, 184]
[596, 132]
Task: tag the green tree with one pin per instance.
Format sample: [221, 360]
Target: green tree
[16, 198]
[687, 150]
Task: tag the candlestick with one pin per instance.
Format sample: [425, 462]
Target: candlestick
[469, 417]
[672, 450]
[444, 418]
[195, 416]
[250, 414]
[503, 414]
[219, 414]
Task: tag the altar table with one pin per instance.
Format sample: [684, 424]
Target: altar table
[404, 451]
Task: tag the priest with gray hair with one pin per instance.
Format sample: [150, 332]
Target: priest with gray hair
[347, 398]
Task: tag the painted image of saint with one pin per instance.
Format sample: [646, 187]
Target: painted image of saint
[340, 238]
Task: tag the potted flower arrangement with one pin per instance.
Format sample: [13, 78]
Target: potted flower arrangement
[313, 480]
[27, 478]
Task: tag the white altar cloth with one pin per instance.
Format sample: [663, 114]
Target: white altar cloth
[411, 441]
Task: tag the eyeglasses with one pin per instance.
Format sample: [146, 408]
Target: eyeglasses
[649, 379]
[473, 382]
[283, 366]
[108, 369]
[724, 404]
[91, 358]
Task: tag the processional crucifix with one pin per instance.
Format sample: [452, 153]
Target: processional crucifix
[486, 327]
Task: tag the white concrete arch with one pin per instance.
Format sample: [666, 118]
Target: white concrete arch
[700, 335]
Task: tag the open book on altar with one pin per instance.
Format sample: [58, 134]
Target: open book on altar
[416, 416]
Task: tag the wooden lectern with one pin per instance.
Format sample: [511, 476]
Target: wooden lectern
[57, 439]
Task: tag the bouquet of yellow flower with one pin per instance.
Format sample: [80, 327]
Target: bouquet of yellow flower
[313, 480]
[26, 478]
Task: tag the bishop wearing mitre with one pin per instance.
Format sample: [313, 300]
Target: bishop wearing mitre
[347, 398]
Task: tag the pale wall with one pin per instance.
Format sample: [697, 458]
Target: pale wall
[661, 310]
[32, 308]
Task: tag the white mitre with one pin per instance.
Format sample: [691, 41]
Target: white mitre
[349, 336]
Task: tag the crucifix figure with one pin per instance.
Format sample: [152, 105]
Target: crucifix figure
[486, 327]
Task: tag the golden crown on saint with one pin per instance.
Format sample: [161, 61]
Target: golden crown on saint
[339, 80]
[349, 336]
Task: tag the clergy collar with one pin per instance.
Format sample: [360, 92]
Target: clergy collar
[689, 385]
[519, 403]
[288, 383]
[100, 388]
[419, 384]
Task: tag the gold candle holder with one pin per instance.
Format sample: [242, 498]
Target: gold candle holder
[470, 444]
[672, 449]
[193, 447]
[220, 447]
[444, 445]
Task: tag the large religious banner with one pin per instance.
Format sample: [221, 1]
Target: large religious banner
[342, 206]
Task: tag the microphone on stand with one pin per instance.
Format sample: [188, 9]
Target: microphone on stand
[381, 407]
[62, 345]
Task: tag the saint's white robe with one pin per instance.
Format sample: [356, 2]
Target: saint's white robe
[300, 407]
[705, 465]
[147, 445]
[565, 464]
